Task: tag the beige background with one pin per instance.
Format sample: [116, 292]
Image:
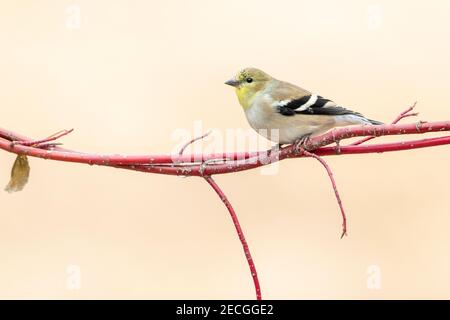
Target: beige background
[134, 72]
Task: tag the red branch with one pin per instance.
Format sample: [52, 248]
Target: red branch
[205, 165]
[191, 165]
[240, 233]
[335, 189]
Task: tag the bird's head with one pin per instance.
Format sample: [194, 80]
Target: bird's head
[248, 82]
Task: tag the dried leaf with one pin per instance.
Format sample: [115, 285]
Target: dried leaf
[19, 174]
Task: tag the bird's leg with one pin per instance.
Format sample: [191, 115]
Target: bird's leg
[300, 143]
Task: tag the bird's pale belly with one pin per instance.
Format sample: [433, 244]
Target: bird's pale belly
[287, 135]
[282, 129]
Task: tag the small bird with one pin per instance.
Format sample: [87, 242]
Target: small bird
[285, 113]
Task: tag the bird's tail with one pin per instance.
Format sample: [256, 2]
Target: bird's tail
[355, 118]
[374, 122]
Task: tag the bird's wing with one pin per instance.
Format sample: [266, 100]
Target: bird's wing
[312, 104]
[290, 100]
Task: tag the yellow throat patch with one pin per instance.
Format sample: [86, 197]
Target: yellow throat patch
[245, 96]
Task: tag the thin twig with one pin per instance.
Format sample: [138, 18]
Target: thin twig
[240, 233]
[406, 114]
[192, 141]
[403, 115]
[333, 183]
[42, 142]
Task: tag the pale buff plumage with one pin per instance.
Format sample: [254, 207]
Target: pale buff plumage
[262, 97]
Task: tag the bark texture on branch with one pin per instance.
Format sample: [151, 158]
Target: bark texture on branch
[193, 164]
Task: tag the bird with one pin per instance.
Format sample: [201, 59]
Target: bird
[285, 113]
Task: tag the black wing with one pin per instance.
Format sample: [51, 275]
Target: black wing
[314, 105]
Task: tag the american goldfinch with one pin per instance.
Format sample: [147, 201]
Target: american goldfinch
[285, 113]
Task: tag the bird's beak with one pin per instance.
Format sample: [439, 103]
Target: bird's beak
[232, 82]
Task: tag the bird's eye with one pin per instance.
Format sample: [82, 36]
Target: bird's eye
[249, 80]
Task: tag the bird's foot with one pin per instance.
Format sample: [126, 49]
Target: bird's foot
[300, 143]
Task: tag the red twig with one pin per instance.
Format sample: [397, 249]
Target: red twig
[192, 141]
[404, 114]
[43, 142]
[333, 183]
[239, 231]
[233, 215]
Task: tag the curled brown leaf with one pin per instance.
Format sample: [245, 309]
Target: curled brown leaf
[19, 174]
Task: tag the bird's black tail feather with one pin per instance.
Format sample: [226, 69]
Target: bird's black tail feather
[375, 122]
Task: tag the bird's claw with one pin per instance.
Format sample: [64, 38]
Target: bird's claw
[300, 143]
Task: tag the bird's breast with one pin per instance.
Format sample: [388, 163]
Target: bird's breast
[259, 115]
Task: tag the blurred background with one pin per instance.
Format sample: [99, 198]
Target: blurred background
[128, 74]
